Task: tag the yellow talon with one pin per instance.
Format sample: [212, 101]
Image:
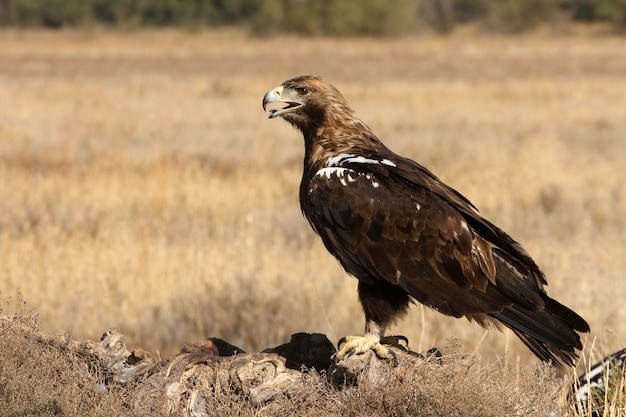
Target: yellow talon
[354, 345]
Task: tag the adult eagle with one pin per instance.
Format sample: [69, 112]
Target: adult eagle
[408, 236]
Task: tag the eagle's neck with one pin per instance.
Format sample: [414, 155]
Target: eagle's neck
[341, 133]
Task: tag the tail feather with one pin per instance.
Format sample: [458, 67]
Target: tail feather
[547, 327]
[549, 332]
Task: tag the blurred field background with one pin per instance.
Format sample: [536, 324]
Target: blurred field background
[142, 186]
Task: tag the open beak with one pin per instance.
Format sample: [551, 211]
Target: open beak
[275, 95]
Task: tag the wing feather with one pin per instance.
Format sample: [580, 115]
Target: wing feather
[406, 236]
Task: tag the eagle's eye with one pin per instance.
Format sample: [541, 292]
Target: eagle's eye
[302, 91]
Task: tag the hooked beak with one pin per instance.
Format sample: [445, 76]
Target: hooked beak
[275, 95]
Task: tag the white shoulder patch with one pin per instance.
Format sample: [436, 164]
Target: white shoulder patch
[344, 175]
[372, 179]
[362, 160]
[356, 159]
[336, 160]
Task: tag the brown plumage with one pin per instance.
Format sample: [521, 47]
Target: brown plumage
[408, 236]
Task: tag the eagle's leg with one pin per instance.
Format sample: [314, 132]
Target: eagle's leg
[383, 303]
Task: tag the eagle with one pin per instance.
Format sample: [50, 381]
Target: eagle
[408, 237]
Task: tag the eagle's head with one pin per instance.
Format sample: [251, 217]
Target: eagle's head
[310, 102]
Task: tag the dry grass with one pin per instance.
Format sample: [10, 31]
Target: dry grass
[47, 378]
[141, 185]
[39, 379]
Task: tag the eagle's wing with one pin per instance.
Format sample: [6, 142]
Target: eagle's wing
[393, 220]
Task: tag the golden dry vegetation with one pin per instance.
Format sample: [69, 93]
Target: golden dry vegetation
[141, 185]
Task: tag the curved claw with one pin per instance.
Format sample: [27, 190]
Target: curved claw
[340, 342]
[394, 357]
[395, 341]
